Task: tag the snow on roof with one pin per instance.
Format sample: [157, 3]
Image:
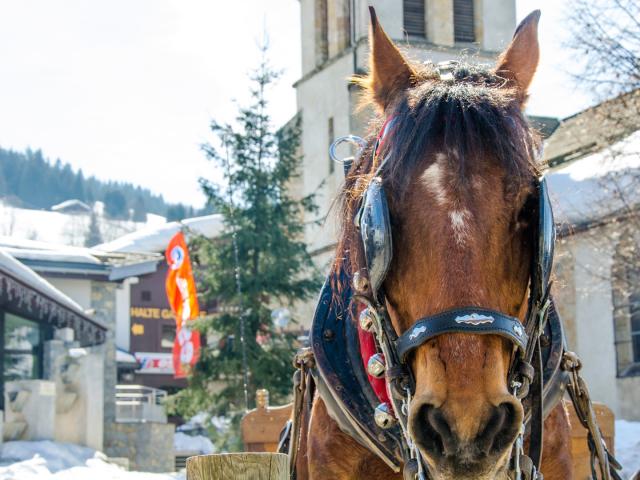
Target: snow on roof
[35, 250]
[579, 190]
[156, 238]
[24, 274]
[73, 204]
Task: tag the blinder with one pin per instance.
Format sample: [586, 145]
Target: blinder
[546, 238]
[374, 224]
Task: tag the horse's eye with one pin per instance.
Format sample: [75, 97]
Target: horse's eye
[526, 212]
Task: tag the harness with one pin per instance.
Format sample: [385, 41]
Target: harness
[540, 369]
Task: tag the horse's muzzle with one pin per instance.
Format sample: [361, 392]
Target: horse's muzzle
[445, 449]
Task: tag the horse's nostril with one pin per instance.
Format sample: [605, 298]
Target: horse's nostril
[501, 429]
[432, 432]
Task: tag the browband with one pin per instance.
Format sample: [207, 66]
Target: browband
[480, 321]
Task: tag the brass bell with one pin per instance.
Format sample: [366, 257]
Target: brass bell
[383, 416]
[360, 283]
[376, 365]
[366, 320]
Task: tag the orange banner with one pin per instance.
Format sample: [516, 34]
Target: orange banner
[181, 293]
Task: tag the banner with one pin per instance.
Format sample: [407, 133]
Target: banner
[181, 293]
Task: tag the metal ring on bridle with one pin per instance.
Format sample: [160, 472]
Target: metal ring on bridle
[353, 140]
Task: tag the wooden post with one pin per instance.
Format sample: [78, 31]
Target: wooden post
[239, 466]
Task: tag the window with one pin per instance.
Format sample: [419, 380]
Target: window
[625, 279]
[331, 137]
[146, 296]
[634, 313]
[463, 21]
[168, 336]
[22, 356]
[413, 18]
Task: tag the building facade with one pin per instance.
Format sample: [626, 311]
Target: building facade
[595, 185]
[52, 360]
[85, 381]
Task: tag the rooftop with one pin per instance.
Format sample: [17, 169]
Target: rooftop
[156, 238]
[593, 129]
[45, 257]
[35, 297]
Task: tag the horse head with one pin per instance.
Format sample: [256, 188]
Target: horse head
[460, 176]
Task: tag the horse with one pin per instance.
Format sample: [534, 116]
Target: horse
[460, 172]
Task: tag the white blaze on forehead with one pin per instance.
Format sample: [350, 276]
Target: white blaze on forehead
[460, 225]
[433, 179]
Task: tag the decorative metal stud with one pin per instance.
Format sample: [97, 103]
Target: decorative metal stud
[366, 320]
[360, 283]
[384, 416]
[376, 365]
[518, 330]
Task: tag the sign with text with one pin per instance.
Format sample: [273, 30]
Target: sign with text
[155, 363]
[155, 312]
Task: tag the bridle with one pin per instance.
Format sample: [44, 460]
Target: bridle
[328, 366]
[374, 254]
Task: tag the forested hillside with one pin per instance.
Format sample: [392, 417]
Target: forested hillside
[29, 180]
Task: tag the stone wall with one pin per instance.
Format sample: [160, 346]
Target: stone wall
[103, 301]
[148, 446]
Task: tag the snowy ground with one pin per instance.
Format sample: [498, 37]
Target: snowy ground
[628, 446]
[46, 460]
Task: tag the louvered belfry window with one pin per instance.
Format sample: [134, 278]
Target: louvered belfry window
[414, 17]
[463, 24]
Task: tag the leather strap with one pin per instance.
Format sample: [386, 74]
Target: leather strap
[479, 321]
[537, 416]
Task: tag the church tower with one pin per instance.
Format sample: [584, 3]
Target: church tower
[334, 47]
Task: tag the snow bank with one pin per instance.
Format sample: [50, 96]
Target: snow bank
[192, 443]
[47, 460]
[57, 456]
[627, 446]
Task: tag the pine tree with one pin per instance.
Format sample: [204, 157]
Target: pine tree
[93, 236]
[275, 269]
[139, 210]
[115, 204]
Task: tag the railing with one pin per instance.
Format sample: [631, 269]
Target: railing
[137, 403]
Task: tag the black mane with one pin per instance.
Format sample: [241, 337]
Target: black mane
[471, 118]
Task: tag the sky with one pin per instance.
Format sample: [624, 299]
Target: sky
[125, 89]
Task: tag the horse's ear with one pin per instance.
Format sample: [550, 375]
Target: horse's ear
[389, 71]
[519, 61]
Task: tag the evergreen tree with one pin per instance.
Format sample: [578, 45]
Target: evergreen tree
[57, 182]
[176, 213]
[78, 186]
[275, 269]
[139, 210]
[93, 236]
[115, 204]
